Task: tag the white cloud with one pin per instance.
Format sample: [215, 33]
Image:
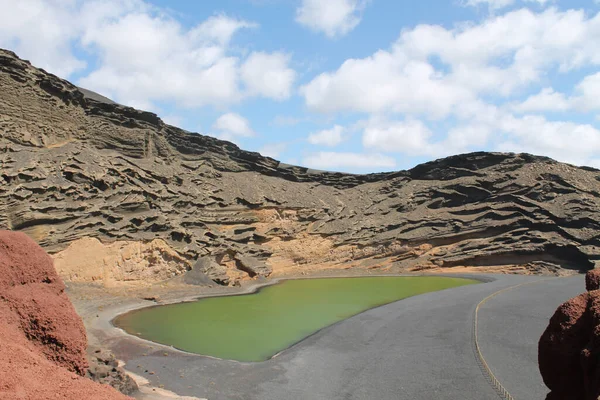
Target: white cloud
[268, 75]
[561, 140]
[41, 32]
[435, 73]
[589, 92]
[414, 138]
[332, 17]
[333, 160]
[472, 136]
[273, 150]
[565, 141]
[472, 60]
[409, 137]
[172, 119]
[231, 126]
[144, 55]
[161, 61]
[220, 29]
[384, 82]
[546, 100]
[327, 137]
[585, 98]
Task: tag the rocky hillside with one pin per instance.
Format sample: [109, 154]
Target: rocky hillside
[117, 195]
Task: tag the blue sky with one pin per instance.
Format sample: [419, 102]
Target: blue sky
[346, 85]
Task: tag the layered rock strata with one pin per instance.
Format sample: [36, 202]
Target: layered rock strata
[153, 201]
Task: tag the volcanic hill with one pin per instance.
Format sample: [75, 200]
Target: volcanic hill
[118, 196]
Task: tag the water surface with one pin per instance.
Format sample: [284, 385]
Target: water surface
[254, 327]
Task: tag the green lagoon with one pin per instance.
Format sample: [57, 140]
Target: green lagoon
[254, 327]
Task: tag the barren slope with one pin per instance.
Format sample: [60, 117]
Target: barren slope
[161, 200]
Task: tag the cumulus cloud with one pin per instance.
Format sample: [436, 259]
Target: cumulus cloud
[586, 97]
[144, 55]
[231, 126]
[268, 75]
[411, 136]
[470, 81]
[562, 140]
[334, 18]
[546, 100]
[273, 150]
[589, 92]
[40, 31]
[173, 119]
[414, 138]
[566, 141]
[474, 60]
[338, 160]
[383, 83]
[327, 137]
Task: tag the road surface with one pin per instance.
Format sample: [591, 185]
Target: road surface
[417, 348]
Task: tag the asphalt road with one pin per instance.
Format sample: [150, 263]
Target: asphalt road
[514, 320]
[417, 348]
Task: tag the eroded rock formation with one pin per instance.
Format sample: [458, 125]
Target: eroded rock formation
[569, 349]
[42, 339]
[75, 166]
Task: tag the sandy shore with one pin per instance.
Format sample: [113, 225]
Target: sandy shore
[98, 306]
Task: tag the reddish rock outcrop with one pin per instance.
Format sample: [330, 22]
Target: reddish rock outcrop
[42, 339]
[569, 349]
[592, 280]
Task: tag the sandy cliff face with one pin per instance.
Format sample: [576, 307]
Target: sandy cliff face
[42, 339]
[75, 168]
[89, 260]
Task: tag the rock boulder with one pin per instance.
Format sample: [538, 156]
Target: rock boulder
[569, 349]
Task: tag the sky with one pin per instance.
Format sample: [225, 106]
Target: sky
[345, 85]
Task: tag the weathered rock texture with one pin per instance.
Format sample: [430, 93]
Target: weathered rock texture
[75, 166]
[42, 339]
[569, 349]
[105, 369]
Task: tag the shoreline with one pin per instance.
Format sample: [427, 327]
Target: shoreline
[255, 289]
[98, 316]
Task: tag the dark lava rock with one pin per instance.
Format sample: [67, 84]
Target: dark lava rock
[104, 369]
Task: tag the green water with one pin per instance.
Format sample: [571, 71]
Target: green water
[255, 327]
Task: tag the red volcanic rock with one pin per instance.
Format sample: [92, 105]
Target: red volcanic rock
[569, 349]
[560, 347]
[592, 280]
[42, 339]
